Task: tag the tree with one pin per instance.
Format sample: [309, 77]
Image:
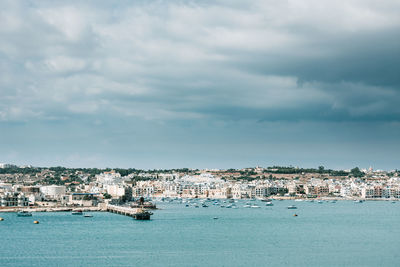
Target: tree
[321, 169]
[356, 172]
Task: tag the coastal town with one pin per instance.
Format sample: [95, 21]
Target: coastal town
[27, 186]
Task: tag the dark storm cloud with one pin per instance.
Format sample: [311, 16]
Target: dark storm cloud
[176, 55]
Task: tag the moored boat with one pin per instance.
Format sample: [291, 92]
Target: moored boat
[24, 213]
[142, 215]
[266, 200]
[77, 212]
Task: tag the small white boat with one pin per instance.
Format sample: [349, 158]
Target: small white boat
[292, 207]
[255, 206]
[88, 215]
[246, 206]
[269, 204]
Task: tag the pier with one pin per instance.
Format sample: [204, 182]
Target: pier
[127, 211]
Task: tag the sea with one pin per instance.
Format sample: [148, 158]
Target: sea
[344, 233]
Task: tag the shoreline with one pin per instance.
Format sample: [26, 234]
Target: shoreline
[47, 209]
[100, 209]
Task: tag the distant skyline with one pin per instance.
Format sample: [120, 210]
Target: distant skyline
[200, 84]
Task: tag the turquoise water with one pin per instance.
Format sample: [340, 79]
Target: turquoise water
[329, 234]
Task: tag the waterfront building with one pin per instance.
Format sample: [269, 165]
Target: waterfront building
[13, 200]
[53, 191]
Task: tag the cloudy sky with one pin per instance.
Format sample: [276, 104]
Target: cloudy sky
[203, 84]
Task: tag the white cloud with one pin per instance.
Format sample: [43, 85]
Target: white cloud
[65, 64]
[83, 107]
[70, 21]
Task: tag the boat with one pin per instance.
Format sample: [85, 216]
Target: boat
[266, 200]
[269, 204]
[146, 204]
[24, 213]
[204, 205]
[88, 215]
[255, 206]
[142, 215]
[292, 207]
[77, 212]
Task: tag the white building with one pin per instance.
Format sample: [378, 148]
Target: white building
[108, 178]
[13, 200]
[53, 191]
[115, 190]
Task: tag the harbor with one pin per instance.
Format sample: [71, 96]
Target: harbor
[202, 235]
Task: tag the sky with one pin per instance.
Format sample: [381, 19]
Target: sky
[200, 84]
